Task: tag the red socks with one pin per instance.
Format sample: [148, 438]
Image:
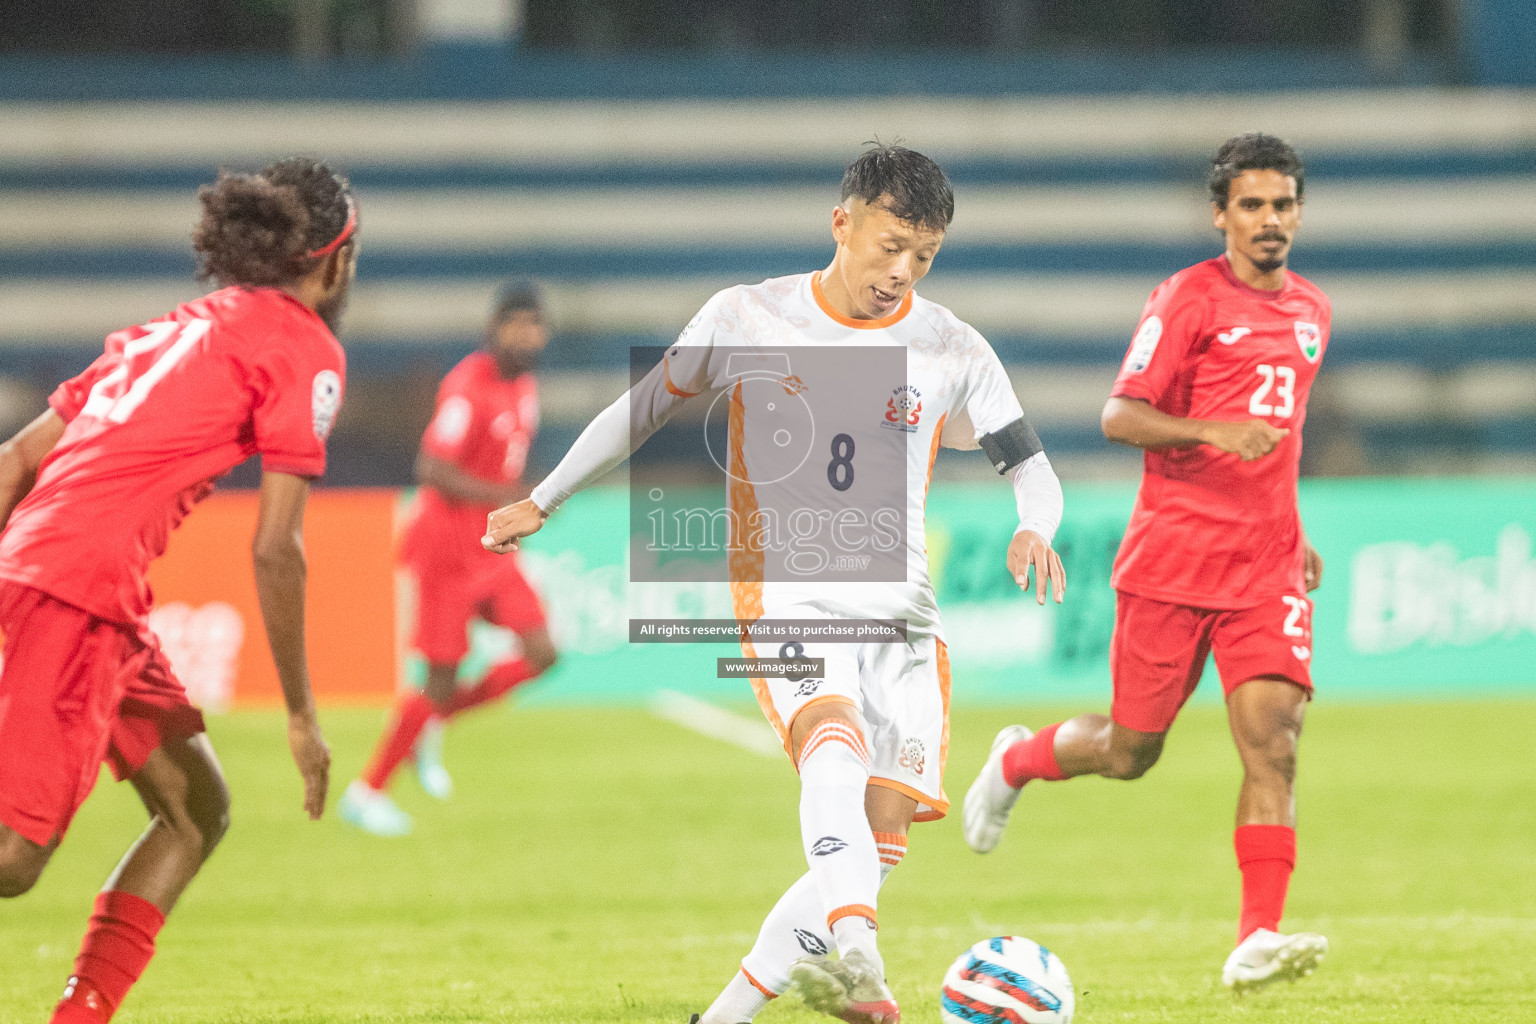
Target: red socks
[500, 679]
[1034, 758]
[395, 746]
[1266, 854]
[117, 948]
[414, 710]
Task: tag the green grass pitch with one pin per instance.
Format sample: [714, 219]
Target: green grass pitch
[603, 865]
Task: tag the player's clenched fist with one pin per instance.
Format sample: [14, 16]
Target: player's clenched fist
[1030, 551]
[1311, 568]
[1248, 440]
[507, 525]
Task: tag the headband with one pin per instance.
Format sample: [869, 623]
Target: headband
[346, 233]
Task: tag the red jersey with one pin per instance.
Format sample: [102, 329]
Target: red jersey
[1210, 530]
[168, 408]
[484, 425]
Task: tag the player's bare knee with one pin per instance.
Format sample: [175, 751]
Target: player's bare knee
[1275, 757]
[209, 814]
[21, 864]
[541, 657]
[17, 879]
[1130, 761]
[185, 790]
[1268, 745]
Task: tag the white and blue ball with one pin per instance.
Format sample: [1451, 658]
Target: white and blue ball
[1007, 980]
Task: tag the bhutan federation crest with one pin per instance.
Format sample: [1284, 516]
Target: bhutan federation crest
[903, 409]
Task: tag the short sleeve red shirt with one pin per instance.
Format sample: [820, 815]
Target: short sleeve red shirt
[168, 408]
[484, 425]
[1208, 529]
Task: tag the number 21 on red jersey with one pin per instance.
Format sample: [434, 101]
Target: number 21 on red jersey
[119, 393]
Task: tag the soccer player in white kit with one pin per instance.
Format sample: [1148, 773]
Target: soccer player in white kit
[870, 736]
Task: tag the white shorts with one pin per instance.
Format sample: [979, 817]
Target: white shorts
[900, 692]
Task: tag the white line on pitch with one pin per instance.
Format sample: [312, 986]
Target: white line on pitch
[717, 723]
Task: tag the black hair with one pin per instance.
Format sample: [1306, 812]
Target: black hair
[1252, 152]
[258, 229]
[913, 187]
[515, 296]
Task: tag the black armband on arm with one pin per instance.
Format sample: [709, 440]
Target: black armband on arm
[1013, 445]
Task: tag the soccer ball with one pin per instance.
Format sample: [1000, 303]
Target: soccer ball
[1007, 980]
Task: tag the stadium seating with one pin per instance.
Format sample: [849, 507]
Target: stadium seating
[1419, 223]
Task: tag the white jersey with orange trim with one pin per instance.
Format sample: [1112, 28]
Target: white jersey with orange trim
[949, 389]
[930, 380]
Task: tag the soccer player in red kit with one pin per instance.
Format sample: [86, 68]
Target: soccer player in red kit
[90, 491]
[471, 462]
[1214, 388]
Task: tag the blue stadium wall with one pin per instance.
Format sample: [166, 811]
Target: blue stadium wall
[1421, 224]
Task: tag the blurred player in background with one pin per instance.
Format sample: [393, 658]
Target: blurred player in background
[1214, 388]
[869, 739]
[471, 462]
[90, 492]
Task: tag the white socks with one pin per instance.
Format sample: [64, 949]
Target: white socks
[795, 927]
[834, 830]
[834, 774]
[741, 1001]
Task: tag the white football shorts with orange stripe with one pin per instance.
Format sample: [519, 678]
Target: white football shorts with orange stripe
[901, 694]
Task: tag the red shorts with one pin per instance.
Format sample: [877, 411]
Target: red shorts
[1159, 649]
[490, 587]
[76, 690]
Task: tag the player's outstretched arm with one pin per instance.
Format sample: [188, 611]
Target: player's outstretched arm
[607, 441]
[1135, 422]
[20, 457]
[277, 553]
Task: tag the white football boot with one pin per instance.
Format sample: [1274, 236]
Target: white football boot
[990, 800]
[372, 811]
[849, 988]
[434, 778]
[1267, 956]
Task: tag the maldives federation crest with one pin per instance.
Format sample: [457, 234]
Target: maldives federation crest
[1310, 338]
[325, 402]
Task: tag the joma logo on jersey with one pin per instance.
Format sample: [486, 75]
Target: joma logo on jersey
[1310, 338]
[1233, 336]
[903, 409]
